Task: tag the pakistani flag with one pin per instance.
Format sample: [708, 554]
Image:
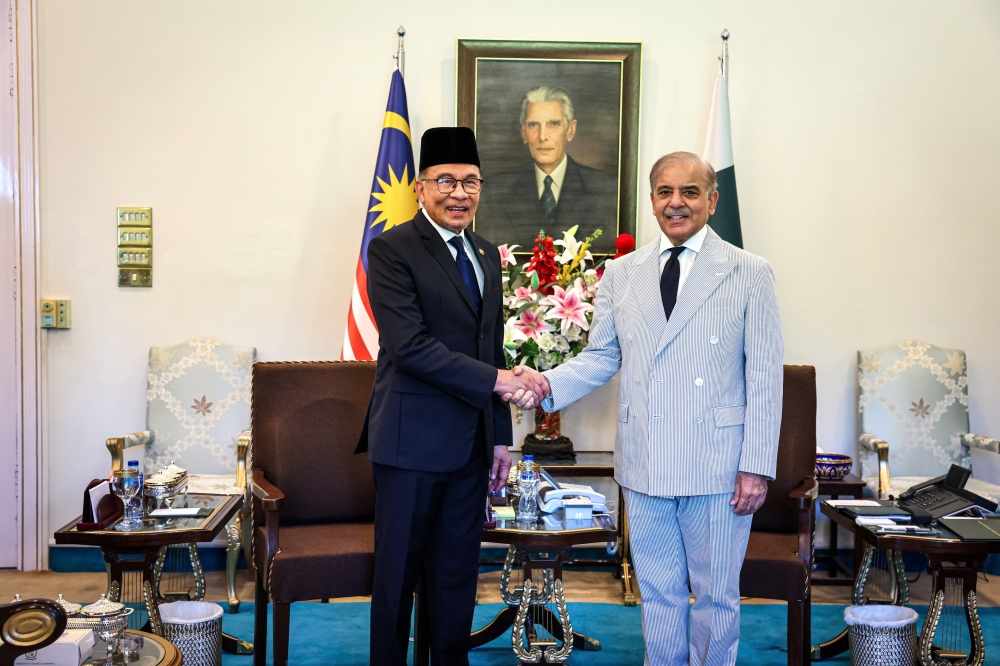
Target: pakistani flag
[719, 153]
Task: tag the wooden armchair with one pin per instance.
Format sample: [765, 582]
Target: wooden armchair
[779, 555]
[313, 499]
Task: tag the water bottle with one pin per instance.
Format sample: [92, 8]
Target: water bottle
[527, 487]
[134, 509]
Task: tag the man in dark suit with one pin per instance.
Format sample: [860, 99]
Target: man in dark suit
[554, 192]
[436, 432]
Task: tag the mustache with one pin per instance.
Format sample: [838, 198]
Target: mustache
[683, 210]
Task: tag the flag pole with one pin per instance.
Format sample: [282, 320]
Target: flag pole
[400, 56]
[724, 59]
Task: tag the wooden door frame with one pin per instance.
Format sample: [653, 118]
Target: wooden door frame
[20, 156]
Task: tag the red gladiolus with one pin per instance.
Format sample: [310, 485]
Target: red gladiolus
[543, 262]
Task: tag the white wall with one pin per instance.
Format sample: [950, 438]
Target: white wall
[865, 138]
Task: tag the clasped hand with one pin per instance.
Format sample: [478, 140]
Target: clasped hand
[524, 386]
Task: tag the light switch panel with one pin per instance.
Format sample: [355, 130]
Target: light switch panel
[135, 246]
[55, 313]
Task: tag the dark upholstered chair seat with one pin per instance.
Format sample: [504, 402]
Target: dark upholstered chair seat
[313, 499]
[772, 567]
[322, 561]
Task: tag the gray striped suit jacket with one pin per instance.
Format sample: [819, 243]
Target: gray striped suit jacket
[700, 395]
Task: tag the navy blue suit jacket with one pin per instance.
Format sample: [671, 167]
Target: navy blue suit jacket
[437, 359]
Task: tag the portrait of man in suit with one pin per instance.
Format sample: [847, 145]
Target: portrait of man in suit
[551, 191]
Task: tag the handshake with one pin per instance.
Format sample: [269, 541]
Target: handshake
[524, 386]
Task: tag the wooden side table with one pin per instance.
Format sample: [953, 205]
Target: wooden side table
[594, 464]
[849, 486]
[137, 551]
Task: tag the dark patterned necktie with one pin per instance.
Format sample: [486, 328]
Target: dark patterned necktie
[468, 272]
[548, 201]
[670, 279]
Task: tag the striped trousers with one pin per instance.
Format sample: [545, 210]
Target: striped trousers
[682, 541]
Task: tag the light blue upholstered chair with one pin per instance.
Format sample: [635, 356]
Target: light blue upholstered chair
[198, 416]
[914, 409]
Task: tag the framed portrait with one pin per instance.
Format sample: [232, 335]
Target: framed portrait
[557, 124]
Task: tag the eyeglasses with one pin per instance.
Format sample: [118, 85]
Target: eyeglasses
[448, 185]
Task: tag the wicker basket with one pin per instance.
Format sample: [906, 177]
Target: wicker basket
[195, 627]
[882, 635]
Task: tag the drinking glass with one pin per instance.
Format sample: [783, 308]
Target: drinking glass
[126, 485]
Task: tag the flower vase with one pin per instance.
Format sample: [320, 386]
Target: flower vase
[547, 441]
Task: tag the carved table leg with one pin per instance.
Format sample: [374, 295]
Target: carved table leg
[933, 655]
[625, 552]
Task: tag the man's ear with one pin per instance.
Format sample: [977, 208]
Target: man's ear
[713, 201]
[524, 134]
[419, 187]
[571, 132]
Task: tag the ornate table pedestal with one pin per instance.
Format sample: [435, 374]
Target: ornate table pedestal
[955, 566]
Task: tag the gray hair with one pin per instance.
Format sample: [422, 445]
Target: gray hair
[546, 94]
[681, 157]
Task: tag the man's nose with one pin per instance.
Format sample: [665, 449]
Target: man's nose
[676, 201]
[459, 192]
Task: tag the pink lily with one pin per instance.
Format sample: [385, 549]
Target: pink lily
[523, 295]
[532, 325]
[507, 256]
[569, 308]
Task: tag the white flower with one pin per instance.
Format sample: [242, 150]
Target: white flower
[562, 344]
[547, 342]
[570, 245]
[575, 333]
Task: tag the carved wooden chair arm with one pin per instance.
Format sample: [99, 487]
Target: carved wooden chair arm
[271, 499]
[117, 446]
[881, 449]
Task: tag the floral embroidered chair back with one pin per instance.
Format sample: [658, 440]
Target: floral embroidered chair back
[198, 403]
[914, 409]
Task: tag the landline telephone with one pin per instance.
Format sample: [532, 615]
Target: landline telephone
[943, 496]
[553, 496]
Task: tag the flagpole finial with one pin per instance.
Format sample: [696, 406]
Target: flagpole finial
[400, 55]
[724, 59]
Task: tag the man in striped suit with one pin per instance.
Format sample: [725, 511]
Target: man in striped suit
[692, 323]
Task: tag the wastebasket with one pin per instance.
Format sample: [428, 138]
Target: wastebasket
[195, 627]
[882, 635]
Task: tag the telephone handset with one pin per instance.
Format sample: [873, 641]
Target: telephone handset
[551, 495]
[942, 496]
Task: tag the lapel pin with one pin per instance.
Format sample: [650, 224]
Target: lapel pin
[481, 252]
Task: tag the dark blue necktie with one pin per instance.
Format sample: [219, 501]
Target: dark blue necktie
[548, 201]
[670, 279]
[468, 272]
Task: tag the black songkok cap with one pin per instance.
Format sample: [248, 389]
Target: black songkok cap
[448, 145]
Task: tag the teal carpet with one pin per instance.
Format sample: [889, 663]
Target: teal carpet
[337, 634]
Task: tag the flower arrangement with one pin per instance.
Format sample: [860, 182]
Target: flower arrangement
[548, 302]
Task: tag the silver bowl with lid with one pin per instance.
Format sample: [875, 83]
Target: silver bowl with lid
[107, 619]
[68, 606]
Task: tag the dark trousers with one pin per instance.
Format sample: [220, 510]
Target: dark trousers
[427, 524]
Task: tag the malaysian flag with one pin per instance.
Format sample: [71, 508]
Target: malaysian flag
[393, 202]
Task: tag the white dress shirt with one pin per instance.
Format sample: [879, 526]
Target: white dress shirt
[470, 251]
[686, 258]
[558, 175]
